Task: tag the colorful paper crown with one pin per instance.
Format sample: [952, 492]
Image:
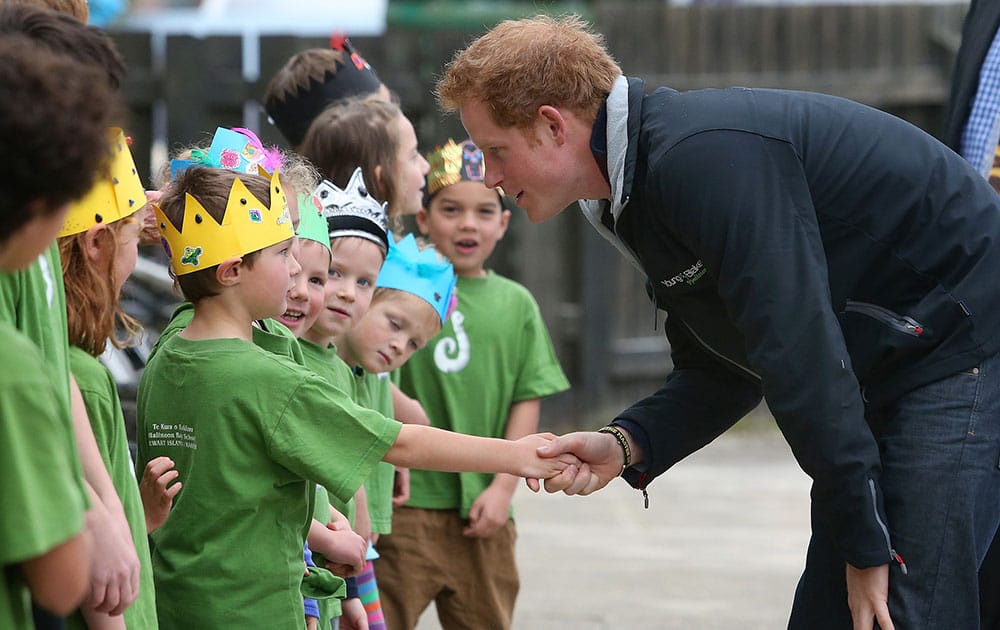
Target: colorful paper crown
[235, 149]
[293, 115]
[352, 211]
[111, 198]
[453, 163]
[312, 224]
[424, 273]
[247, 226]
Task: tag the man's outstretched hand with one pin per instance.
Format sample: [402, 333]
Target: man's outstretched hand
[601, 458]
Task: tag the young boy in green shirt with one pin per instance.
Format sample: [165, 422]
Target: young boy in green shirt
[51, 105]
[413, 293]
[249, 431]
[495, 345]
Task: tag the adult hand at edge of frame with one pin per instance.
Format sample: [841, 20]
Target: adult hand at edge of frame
[867, 597]
[602, 459]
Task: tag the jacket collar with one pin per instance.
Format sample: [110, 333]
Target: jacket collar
[614, 143]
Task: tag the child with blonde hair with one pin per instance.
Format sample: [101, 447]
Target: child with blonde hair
[254, 430]
[494, 343]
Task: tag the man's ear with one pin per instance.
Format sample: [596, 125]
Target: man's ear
[553, 122]
[422, 221]
[229, 273]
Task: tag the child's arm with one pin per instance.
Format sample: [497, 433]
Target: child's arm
[408, 410]
[353, 615]
[157, 498]
[491, 509]
[362, 519]
[435, 449]
[114, 579]
[58, 578]
[343, 549]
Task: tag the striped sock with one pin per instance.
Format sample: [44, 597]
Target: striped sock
[368, 592]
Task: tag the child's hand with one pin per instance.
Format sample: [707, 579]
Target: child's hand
[157, 497]
[489, 512]
[401, 487]
[344, 551]
[533, 467]
[353, 615]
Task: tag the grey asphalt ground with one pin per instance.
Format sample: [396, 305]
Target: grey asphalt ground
[720, 547]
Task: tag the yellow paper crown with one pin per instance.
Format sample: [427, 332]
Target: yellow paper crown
[247, 226]
[111, 198]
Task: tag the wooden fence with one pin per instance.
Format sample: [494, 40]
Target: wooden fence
[895, 57]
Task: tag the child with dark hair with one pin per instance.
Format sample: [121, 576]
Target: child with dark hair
[312, 80]
[50, 105]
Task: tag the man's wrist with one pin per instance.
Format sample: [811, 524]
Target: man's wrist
[621, 438]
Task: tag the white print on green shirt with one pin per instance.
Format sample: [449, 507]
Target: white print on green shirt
[452, 355]
[172, 435]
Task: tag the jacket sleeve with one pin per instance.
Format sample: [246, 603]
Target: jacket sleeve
[742, 203]
[688, 412]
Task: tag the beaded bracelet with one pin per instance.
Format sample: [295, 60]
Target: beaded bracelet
[619, 436]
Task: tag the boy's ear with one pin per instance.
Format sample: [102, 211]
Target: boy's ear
[229, 273]
[422, 220]
[378, 178]
[504, 222]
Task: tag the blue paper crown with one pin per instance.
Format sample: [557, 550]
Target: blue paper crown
[424, 273]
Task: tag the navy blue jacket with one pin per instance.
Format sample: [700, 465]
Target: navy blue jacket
[811, 249]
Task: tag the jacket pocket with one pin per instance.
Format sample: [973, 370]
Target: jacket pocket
[900, 323]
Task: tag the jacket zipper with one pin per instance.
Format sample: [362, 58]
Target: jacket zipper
[902, 323]
[893, 556]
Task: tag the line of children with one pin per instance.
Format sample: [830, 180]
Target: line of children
[456, 531]
[254, 430]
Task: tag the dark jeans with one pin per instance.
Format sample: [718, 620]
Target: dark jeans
[940, 449]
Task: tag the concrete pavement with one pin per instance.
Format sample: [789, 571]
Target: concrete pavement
[720, 547]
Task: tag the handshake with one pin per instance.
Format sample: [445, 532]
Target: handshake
[577, 463]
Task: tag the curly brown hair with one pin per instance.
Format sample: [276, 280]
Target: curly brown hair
[520, 65]
[94, 313]
[210, 187]
[54, 112]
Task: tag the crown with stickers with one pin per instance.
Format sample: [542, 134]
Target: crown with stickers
[247, 226]
[352, 211]
[452, 163]
[422, 272]
[234, 149]
[111, 198]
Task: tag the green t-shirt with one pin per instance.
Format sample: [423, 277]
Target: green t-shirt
[494, 351]
[105, 412]
[41, 504]
[326, 363]
[34, 301]
[246, 429]
[269, 334]
[375, 392]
